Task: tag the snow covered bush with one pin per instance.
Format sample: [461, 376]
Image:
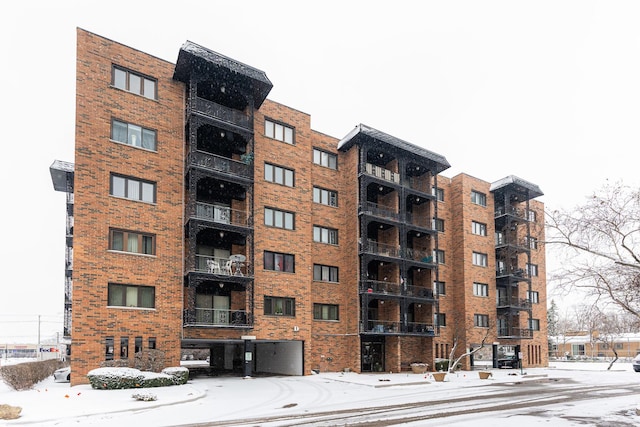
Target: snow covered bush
[145, 396]
[180, 374]
[119, 378]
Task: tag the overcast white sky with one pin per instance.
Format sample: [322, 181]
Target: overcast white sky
[546, 90]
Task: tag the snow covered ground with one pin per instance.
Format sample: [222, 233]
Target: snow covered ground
[226, 398]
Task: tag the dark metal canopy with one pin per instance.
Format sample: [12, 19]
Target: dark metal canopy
[194, 59]
[362, 133]
[516, 185]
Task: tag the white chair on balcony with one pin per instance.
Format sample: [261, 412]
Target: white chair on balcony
[214, 266]
[228, 267]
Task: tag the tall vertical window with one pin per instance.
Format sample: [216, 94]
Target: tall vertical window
[152, 343]
[440, 319]
[439, 256]
[131, 188]
[109, 348]
[531, 215]
[134, 83]
[533, 297]
[440, 287]
[279, 219]
[534, 324]
[479, 259]
[532, 242]
[325, 312]
[322, 158]
[124, 347]
[279, 306]
[481, 320]
[131, 296]
[137, 345]
[532, 270]
[478, 228]
[128, 241]
[325, 273]
[277, 261]
[325, 197]
[325, 235]
[134, 135]
[438, 224]
[478, 198]
[278, 175]
[278, 131]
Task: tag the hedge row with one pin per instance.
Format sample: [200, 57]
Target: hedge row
[23, 376]
[123, 378]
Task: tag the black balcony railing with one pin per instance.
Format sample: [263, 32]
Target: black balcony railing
[514, 302]
[213, 317]
[509, 332]
[213, 162]
[397, 328]
[221, 112]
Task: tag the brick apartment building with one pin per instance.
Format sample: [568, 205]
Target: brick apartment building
[203, 215]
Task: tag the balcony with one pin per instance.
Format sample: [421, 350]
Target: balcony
[421, 256]
[378, 287]
[219, 266]
[213, 317]
[380, 211]
[377, 248]
[514, 302]
[215, 163]
[221, 112]
[419, 292]
[221, 214]
[397, 328]
[508, 332]
[382, 173]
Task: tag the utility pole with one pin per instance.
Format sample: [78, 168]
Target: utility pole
[38, 355]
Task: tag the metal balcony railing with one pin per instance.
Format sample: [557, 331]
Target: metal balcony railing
[375, 247]
[381, 211]
[214, 162]
[221, 112]
[515, 332]
[220, 266]
[382, 173]
[380, 287]
[221, 214]
[216, 317]
[513, 302]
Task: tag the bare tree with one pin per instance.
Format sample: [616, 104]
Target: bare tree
[609, 334]
[453, 360]
[599, 244]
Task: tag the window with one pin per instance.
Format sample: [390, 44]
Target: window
[440, 319]
[325, 312]
[440, 287]
[325, 197]
[134, 83]
[128, 241]
[124, 347]
[279, 306]
[439, 256]
[325, 235]
[325, 159]
[533, 297]
[108, 348]
[534, 324]
[131, 296]
[278, 131]
[279, 262]
[479, 259]
[278, 219]
[531, 215]
[532, 270]
[481, 320]
[134, 135]
[325, 273]
[438, 193]
[532, 242]
[133, 189]
[480, 289]
[278, 175]
[152, 343]
[478, 198]
[478, 228]
[137, 345]
[438, 224]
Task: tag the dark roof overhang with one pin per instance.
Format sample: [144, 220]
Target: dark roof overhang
[516, 185]
[198, 60]
[362, 134]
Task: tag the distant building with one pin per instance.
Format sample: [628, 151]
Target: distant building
[203, 215]
[591, 346]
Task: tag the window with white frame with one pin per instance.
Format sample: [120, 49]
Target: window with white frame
[531, 215]
[325, 197]
[131, 241]
[438, 224]
[278, 175]
[133, 135]
[325, 273]
[278, 131]
[279, 219]
[481, 320]
[439, 256]
[480, 289]
[132, 188]
[478, 198]
[532, 242]
[325, 311]
[534, 324]
[131, 296]
[323, 158]
[134, 83]
[533, 297]
[438, 193]
[480, 259]
[532, 270]
[325, 235]
[478, 228]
